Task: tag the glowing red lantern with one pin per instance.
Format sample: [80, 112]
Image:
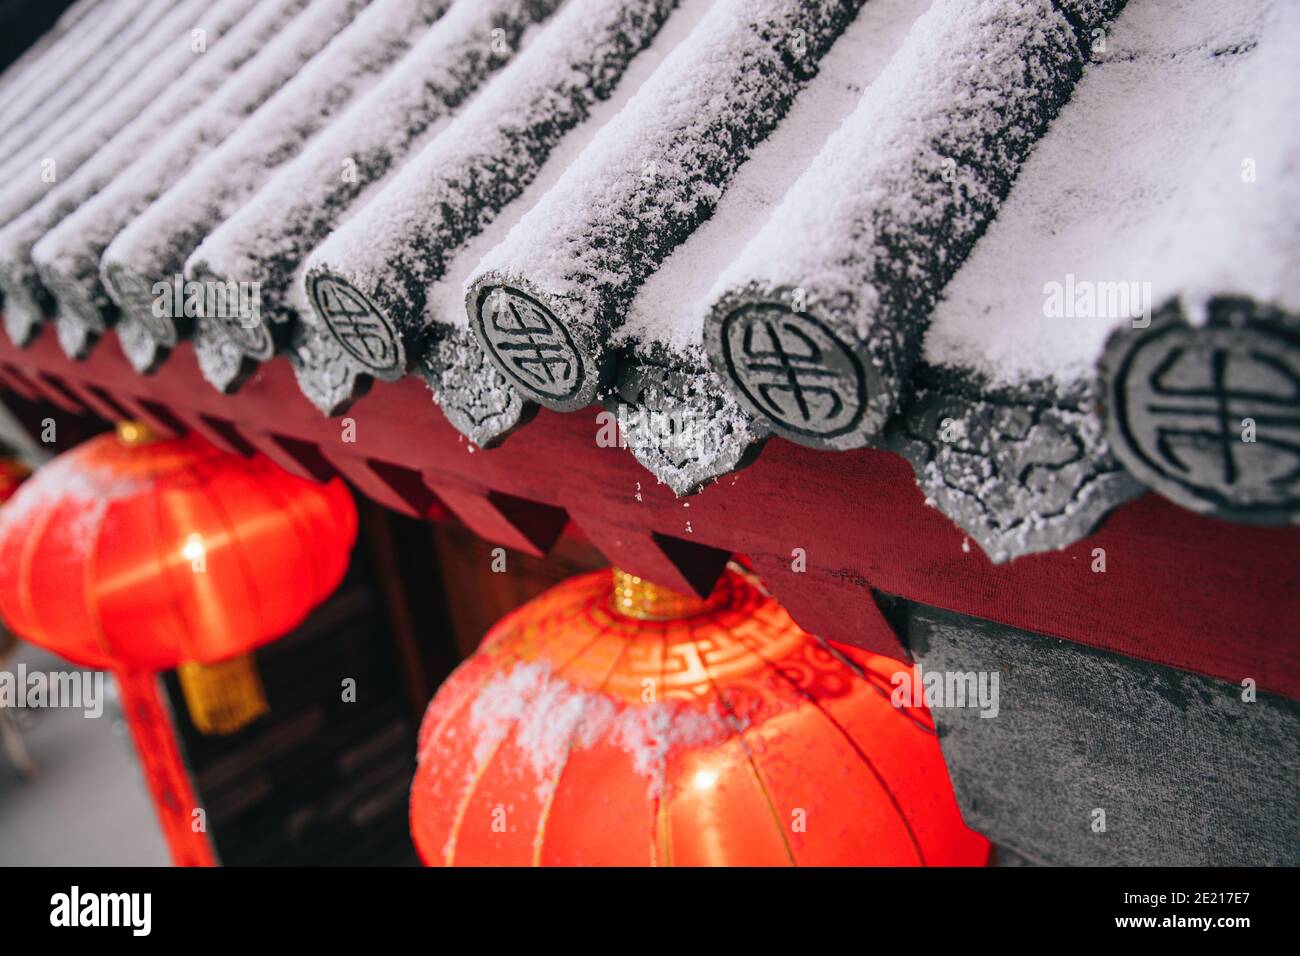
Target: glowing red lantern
[12, 474]
[136, 554]
[632, 726]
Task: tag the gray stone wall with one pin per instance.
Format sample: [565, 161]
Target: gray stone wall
[1184, 770]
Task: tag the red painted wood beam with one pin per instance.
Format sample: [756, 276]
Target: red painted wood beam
[1179, 589]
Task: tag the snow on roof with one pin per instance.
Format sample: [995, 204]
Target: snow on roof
[117, 140]
[74, 69]
[670, 307]
[1139, 180]
[268, 237]
[399, 244]
[937, 226]
[157, 243]
[68, 256]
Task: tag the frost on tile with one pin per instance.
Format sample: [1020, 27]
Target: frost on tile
[1018, 476]
[268, 238]
[155, 245]
[19, 276]
[68, 256]
[818, 323]
[1159, 258]
[475, 397]
[370, 280]
[568, 271]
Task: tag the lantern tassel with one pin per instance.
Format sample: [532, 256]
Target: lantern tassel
[223, 698]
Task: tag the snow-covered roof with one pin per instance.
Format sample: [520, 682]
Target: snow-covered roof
[1045, 249]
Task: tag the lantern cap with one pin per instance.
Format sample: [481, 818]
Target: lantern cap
[131, 433]
[643, 600]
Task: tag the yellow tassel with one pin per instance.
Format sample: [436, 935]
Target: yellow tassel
[223, 698]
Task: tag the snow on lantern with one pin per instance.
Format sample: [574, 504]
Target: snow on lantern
[138, 555]
[637, 726]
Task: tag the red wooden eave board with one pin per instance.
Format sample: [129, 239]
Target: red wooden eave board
[1179, 589]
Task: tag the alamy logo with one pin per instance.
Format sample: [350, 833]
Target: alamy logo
[74, 908]
[78, 690]
[943, 689]
[1084, 299]
[240, 302]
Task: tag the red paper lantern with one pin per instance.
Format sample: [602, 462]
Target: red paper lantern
[12, 474]
[140, 555]
[631, 726]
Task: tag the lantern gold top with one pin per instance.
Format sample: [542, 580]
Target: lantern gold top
[131, 433]
[635, 597]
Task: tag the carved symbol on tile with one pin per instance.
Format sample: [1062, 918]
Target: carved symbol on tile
[794, 369]
[251, 337]
[530, 345]
[238, 319]
[362, 330]
[138, 301]
[1182, 396]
